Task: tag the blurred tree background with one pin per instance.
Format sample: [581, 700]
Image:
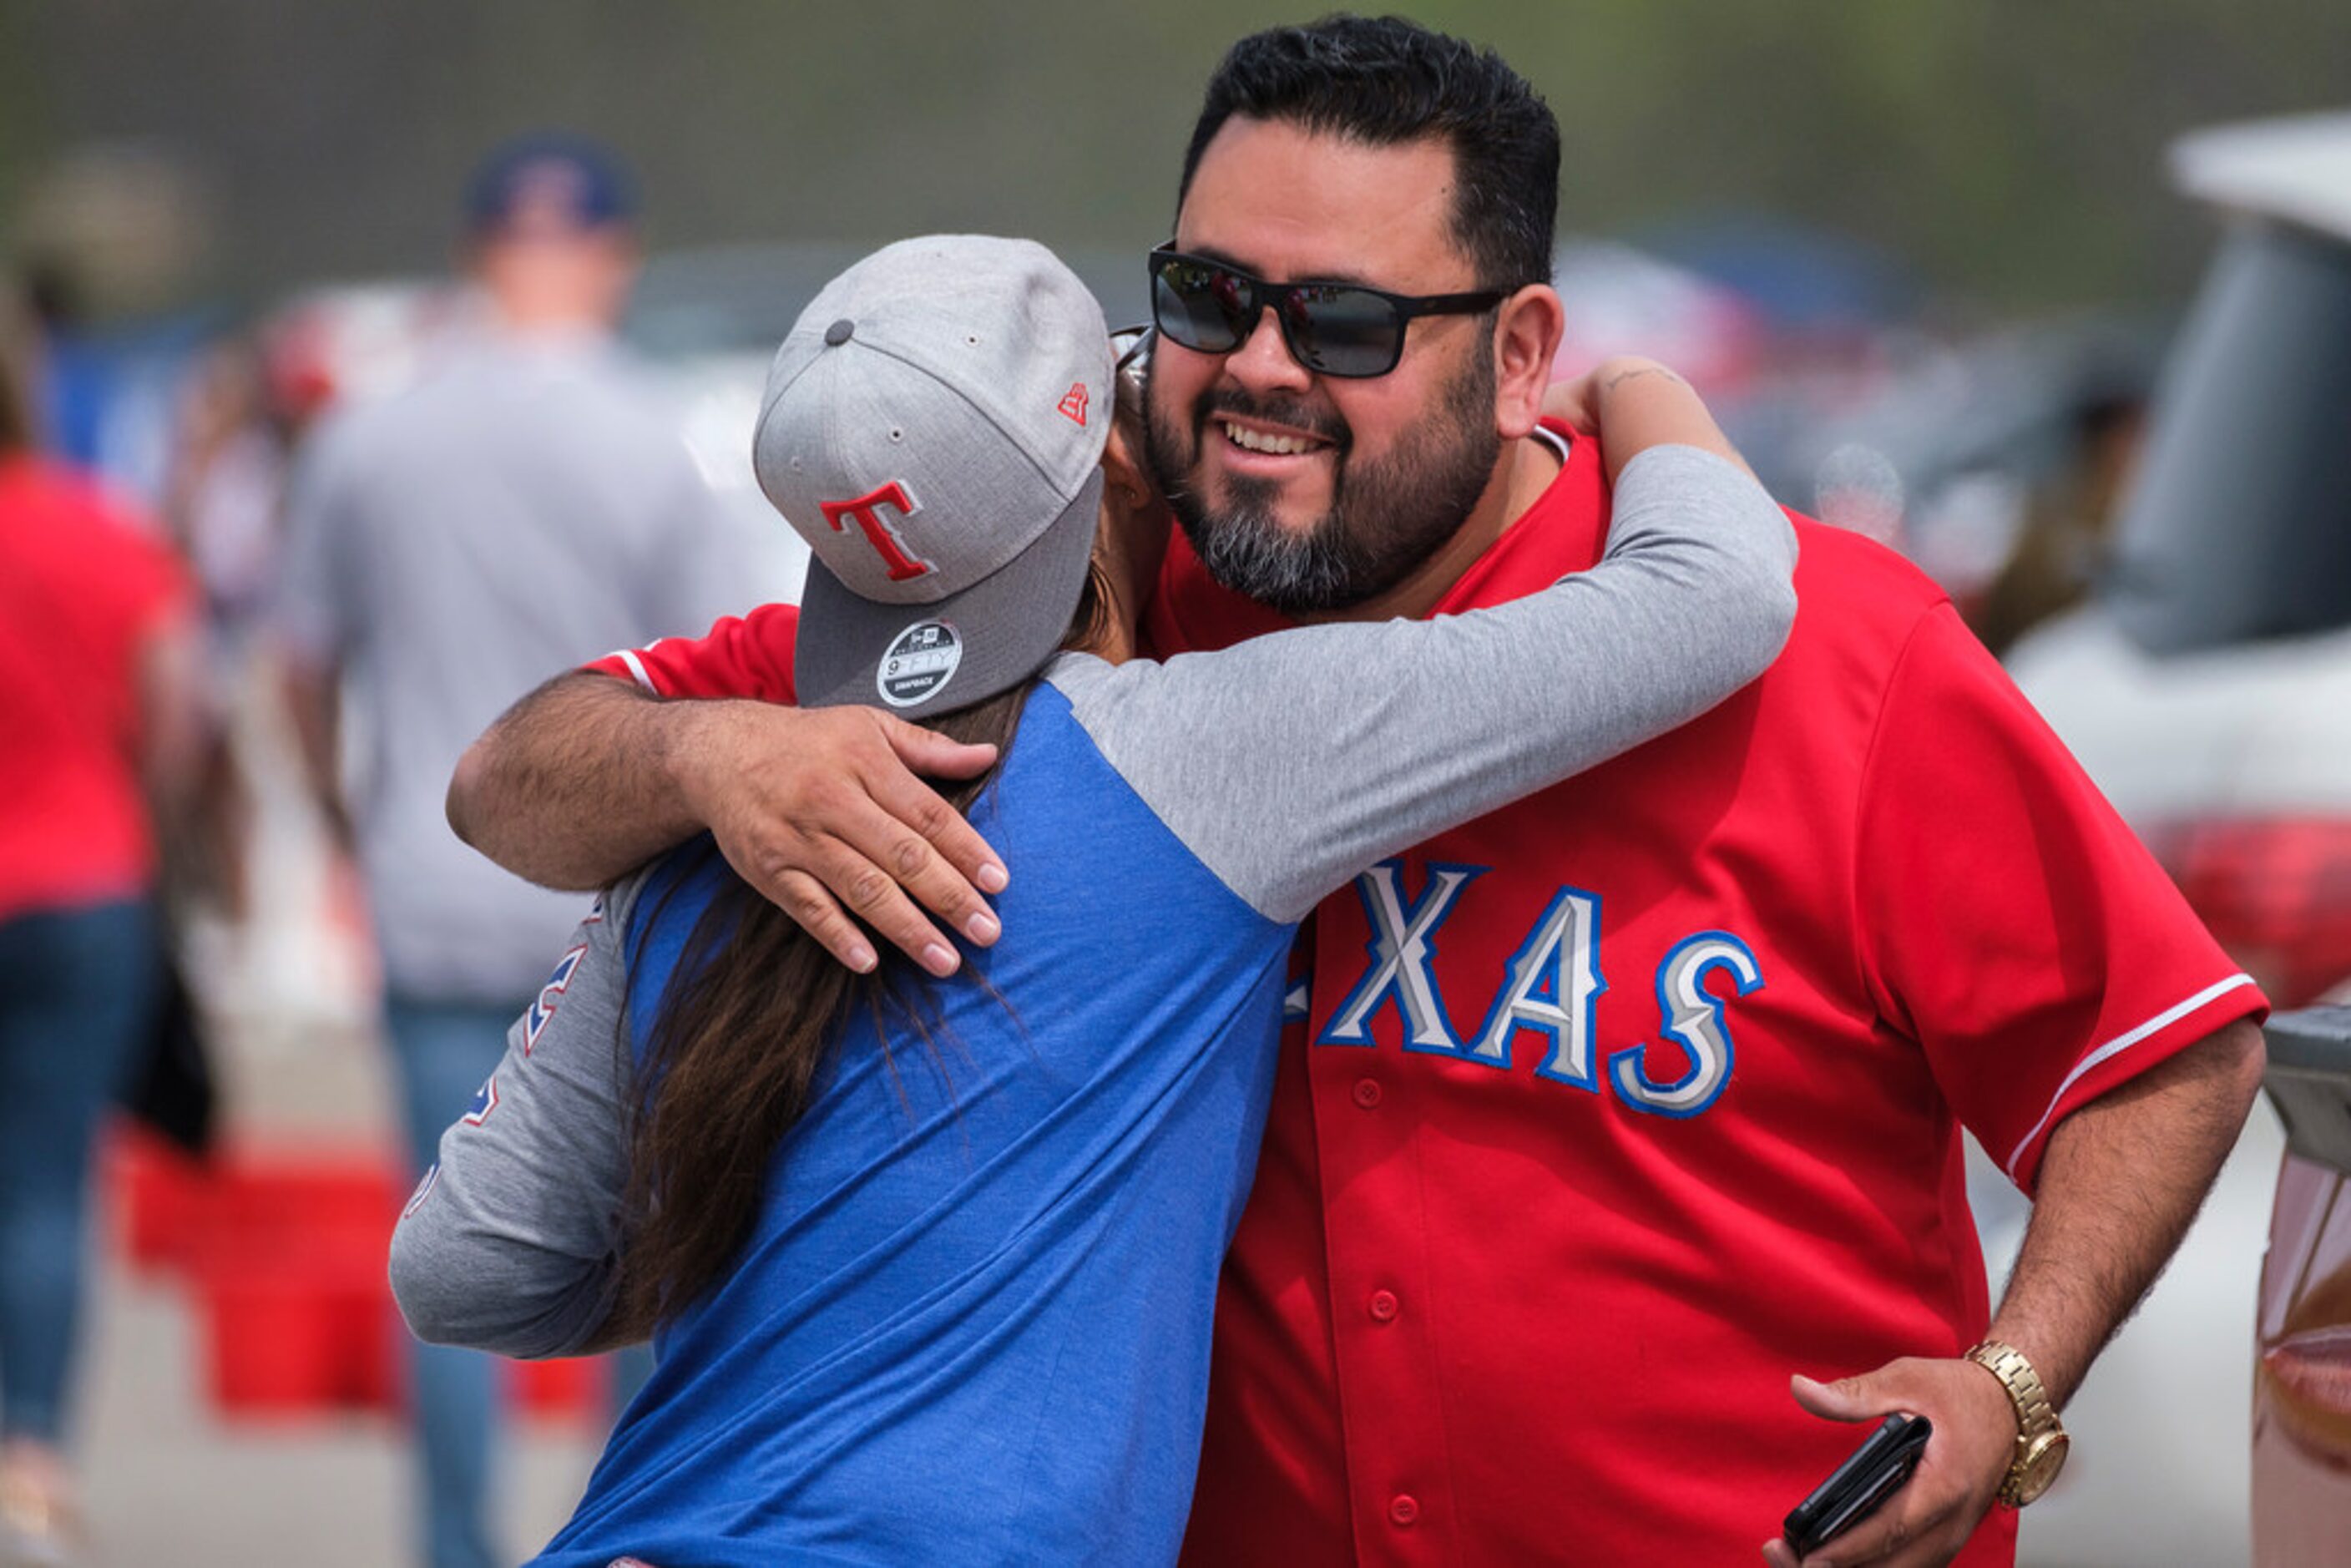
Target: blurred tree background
[2007, 151]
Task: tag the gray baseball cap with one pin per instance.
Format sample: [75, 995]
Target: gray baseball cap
[933, 427]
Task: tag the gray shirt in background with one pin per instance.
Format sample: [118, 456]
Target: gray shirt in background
[525, 506]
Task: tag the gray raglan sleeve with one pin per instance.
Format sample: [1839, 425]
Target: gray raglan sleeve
[511, 1242]
[1289, 763]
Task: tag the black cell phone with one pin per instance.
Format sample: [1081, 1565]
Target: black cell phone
[1870, 1474]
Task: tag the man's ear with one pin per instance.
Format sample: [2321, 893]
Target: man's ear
[1527, 331]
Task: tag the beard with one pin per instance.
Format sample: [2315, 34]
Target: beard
[1388, 515]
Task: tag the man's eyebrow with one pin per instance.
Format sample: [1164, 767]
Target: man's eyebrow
[1226, 259]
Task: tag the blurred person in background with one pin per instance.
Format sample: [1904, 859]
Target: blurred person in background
[116, 237]
[222, 503]
[524, 505]
[99, 706]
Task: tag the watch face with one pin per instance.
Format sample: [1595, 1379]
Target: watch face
[2043, 1459]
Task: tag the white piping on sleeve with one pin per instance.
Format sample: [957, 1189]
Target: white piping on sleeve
[637, 667]
[2115, 1047]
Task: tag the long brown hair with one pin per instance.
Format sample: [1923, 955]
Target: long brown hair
[753, 1007]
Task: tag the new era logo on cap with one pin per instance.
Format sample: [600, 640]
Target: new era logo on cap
[1073, 402]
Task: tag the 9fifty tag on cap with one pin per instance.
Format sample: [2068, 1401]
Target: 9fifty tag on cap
[918, 661]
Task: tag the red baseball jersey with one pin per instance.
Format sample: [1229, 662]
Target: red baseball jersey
[1618, 1106]
[1615, 1108]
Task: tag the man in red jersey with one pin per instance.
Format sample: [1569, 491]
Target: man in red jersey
[1609, 1113]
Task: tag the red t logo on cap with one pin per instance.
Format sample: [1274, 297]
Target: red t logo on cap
[878, 534]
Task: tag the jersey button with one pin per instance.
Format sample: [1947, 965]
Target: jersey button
[1383, 1306]
[1403, 1510]
[1367, 1093]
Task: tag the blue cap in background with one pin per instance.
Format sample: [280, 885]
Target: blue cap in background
[548, 183]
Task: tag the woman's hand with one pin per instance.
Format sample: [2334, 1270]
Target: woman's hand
[1575, 403]
[1633, 403]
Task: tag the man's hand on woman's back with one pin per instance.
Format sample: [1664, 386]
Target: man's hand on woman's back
[824, 810]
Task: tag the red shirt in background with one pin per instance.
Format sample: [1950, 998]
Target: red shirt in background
[83, 584]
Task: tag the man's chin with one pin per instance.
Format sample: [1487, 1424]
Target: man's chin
[1291, 531]
[1279, 511]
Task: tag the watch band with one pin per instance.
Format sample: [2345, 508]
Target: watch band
[2038, 1431]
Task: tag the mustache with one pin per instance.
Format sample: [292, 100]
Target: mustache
[1295, 412]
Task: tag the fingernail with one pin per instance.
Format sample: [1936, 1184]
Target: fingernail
[940, 959]
[982, 927]
[863, 960]
[992, 878]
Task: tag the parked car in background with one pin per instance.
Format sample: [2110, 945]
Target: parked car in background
[2302, 1384]
[2208, 690]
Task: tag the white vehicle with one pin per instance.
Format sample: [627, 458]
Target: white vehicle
[2208, 690]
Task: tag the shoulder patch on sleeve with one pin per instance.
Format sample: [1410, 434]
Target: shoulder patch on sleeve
[551, 995]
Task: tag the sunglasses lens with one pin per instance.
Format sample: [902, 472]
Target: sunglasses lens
[1339, 331]
[1204, 307]
[1333, 330]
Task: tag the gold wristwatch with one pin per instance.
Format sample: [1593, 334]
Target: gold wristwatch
[2040, 1442]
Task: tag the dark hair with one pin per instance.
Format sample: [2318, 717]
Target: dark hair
[15, 376]
[1387, 80]
[15, 418]
[752, 1010]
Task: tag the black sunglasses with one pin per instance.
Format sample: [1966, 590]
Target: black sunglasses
[1333, 329]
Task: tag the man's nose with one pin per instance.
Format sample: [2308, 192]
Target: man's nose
[1262, 361]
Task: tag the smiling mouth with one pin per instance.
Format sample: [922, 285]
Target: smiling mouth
[1268, 442]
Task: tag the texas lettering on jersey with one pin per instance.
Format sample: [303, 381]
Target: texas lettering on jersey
[1550, 988]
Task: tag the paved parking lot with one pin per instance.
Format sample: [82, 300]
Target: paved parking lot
[170, 1483]
[171, 1480]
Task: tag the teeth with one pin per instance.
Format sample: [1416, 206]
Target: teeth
[1257, 441]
